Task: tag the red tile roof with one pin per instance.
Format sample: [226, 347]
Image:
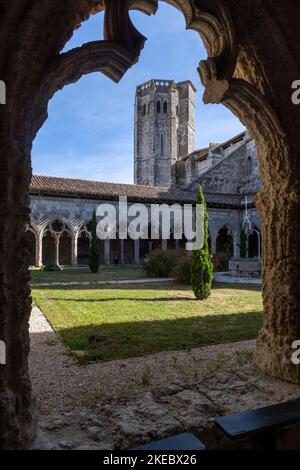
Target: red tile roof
[68, 187]
[76, 188]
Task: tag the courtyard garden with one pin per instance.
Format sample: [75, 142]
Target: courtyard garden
[116, 322]
[83, 274]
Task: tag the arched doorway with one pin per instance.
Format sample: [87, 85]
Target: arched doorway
[65, 249]
[224, 249]
[83, 249]
[49, 246]
[254, 244]
[57, 244]
[128, 251]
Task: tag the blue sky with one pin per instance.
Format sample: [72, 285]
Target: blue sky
[89, 132]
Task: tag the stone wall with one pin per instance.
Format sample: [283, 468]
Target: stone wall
[233, 170]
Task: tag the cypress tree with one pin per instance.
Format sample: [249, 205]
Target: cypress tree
[202, 266]
[94, 248]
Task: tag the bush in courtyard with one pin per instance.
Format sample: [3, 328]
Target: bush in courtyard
[94, 249]
[51, 268]
[182, 270]
[202, 267]
[220, 262]
[160, 264]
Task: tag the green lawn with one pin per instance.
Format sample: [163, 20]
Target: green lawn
[134, 321]
[83, 274]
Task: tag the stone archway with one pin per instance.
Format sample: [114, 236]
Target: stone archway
[48, 249]
[254, 244]
[65, 249]
[224, 248]
[83, 249]
[239, 73]
[128, 251]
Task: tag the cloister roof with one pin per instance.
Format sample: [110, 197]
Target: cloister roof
[69, 187]
[77, 188]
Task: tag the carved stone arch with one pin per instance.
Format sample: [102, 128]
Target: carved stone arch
[66, 225]
[83, 229]
[32, 226]
[32, 243]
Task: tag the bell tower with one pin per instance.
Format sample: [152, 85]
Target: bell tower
[164, 130]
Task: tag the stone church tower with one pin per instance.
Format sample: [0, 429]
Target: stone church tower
[164, 130]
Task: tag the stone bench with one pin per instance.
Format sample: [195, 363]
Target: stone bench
[183, 442]
[261, 425]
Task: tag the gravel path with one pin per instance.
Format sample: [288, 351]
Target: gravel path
[59, 383]
[124, 403]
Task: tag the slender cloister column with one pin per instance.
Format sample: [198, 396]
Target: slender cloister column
[107, 251]
[122, 251]
[236, 245]
[213, 240]
[57, 250]
[75, 250]
[136, 259]
[40, 249]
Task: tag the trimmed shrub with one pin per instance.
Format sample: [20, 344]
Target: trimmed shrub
[182, 270]
[220, 262]
[202, 267]
[94, 250]
[160, 264]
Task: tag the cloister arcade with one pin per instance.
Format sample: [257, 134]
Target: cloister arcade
[58, 241]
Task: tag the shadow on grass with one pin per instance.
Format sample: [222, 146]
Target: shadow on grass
[157, 287]
[131, 339]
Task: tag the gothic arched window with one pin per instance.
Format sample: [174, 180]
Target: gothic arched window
[165, 107]
[149, 107]
[144, 109]
[158, 107]
[161, 144]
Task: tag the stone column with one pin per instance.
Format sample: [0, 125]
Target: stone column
[75, 250]
[236, 246]
[17, 414]
[107, 251]
[136, 252]
[213, 241]
[281, 280]
[164, 245]
[247, 246]
[39, 251]
[122, 251]
[57, 250]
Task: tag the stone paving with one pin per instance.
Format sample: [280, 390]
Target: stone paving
[124, 403]
[228, 279]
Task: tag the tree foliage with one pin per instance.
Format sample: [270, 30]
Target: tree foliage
[94, 248]
[202, 266]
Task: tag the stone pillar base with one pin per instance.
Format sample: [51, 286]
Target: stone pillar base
[273, 356]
